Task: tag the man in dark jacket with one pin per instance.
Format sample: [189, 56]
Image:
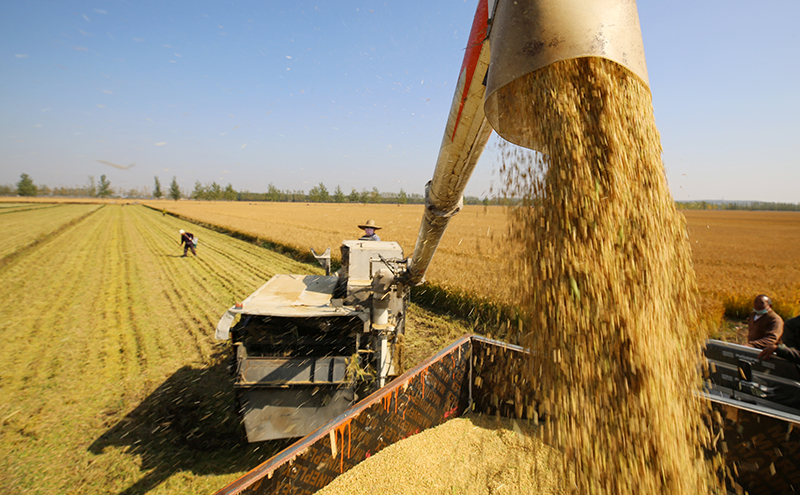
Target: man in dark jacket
[791, 332]
[788, 353]
[764, 326]
[782, 393]
[187, 240]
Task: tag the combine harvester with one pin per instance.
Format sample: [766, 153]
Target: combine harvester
[308, 348]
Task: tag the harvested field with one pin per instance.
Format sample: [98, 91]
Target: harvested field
[24, 225]
[474, 455]
[110, 378]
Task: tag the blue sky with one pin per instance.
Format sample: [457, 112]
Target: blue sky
[356, 93]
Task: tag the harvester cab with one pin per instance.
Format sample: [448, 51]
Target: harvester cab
[306, 347]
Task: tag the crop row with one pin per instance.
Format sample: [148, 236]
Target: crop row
[24, 225]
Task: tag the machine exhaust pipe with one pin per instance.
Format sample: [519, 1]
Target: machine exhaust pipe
[529, 35]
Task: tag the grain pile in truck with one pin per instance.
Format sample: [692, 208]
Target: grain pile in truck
[473, 455]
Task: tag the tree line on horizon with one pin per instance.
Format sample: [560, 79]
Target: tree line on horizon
[317, 194]
[213, 191]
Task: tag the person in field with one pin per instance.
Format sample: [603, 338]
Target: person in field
[764, 326]
[369, 231]
[187, 240]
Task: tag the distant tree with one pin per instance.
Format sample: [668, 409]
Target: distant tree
[199, 191]
[363, 196]
[104, 188]
[273, 193]
[25, 186]
[229, 194]
[174, 190]
[402, 197]
[6, 190]
[374, 196]
[354, 197]
[91, 187]
[338, 195]
[214, 192]
[157, 192]
[319, 194]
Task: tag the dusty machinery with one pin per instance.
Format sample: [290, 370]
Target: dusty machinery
[308, 346]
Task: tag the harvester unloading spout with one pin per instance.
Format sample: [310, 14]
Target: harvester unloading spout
[524, 36]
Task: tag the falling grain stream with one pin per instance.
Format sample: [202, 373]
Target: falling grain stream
[605, 277]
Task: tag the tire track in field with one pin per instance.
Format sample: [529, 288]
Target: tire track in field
[165, 283]
[177, 291]
[132, 359]
[9, 209]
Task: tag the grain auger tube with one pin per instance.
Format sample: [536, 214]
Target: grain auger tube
[524, 36]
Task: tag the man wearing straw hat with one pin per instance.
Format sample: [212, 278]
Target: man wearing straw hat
[369, 231]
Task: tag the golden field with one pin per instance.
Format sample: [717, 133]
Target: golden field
[737, 254]
[740, 254]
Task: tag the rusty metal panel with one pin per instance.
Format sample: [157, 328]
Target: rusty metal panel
[426, 396]
[500, 384]
[761, 452]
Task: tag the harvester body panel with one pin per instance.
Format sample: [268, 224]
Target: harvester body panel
[306, 347]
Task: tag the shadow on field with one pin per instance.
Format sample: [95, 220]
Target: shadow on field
[190, 424]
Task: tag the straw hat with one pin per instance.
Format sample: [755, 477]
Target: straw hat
[181, 231]
[369, 225]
